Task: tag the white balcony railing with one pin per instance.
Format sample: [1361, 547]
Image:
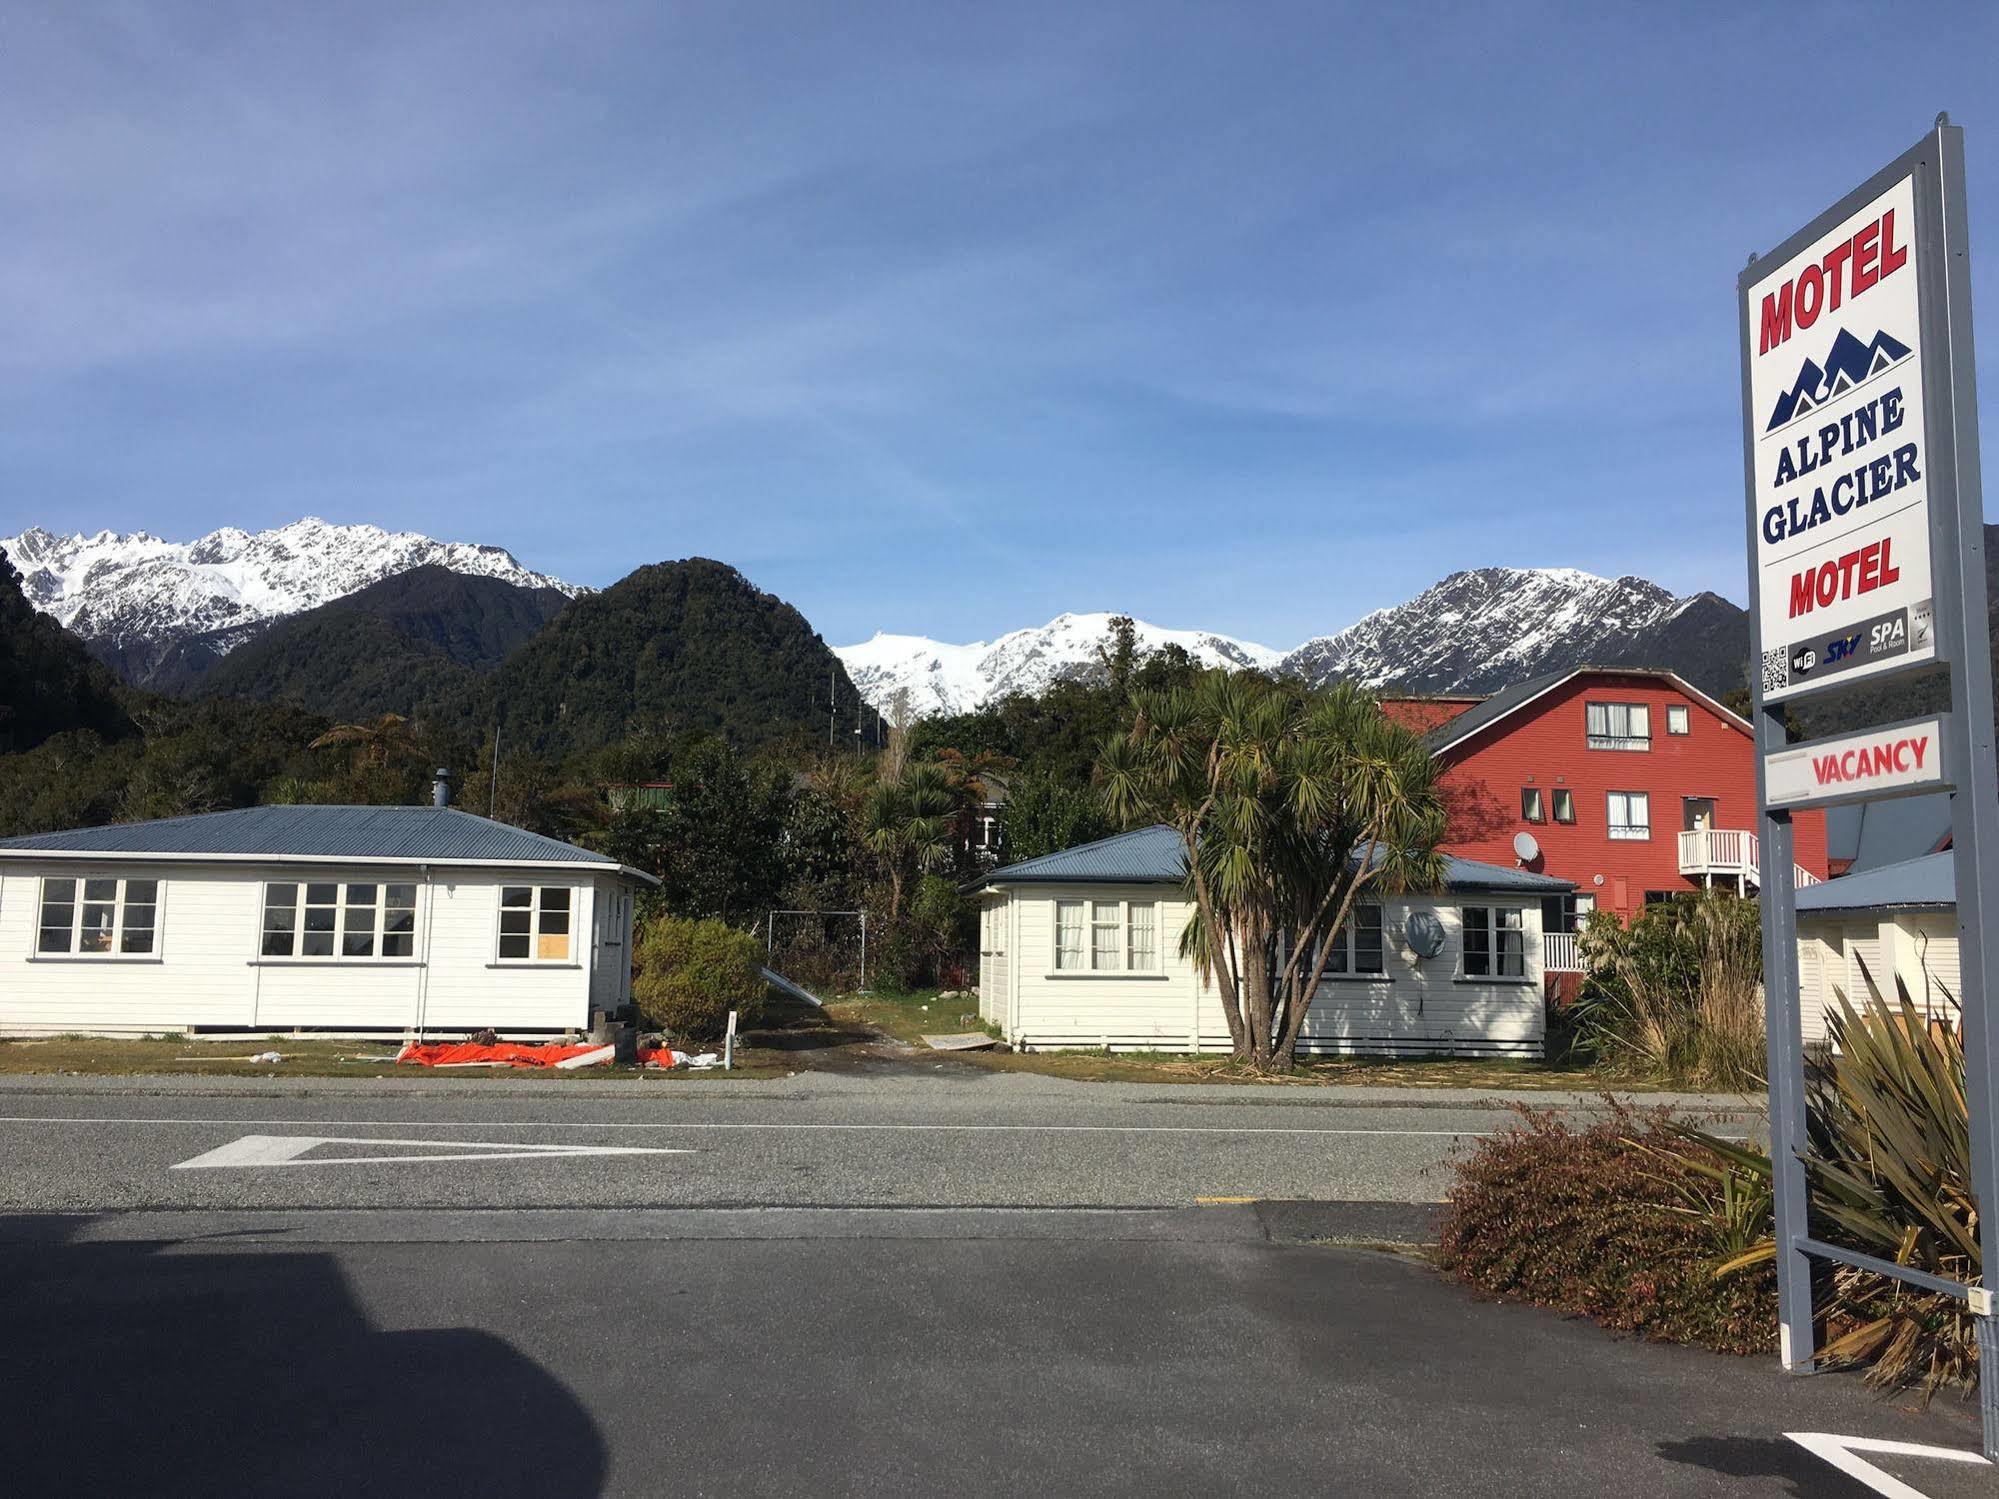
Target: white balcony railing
[1558, 953]
[1729, 853]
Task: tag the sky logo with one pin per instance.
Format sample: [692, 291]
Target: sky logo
[1847, 364]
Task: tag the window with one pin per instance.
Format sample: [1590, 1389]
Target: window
[95, 918]
[327, 919]
[1678, 719]
[534, 923]
[1141, 938]
[1123, 936]
[1565, 804]
[1495, 942]
[1630, 815]
[1618, 726]
[1068, 934]
[1356, 948]
[1564, 914]
[1530, 804]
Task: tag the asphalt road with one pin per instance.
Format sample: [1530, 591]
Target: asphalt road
[1025, 1300]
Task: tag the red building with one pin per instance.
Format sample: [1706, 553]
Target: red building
[1629, 782]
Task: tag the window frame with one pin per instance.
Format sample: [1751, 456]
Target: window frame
[1533, 805]
[1118, 930]
[1684, 713]
[1609, 738]
[1345, 942]
[1556, 798]
[116, 950]
[536, 908]
[1627, 831]
[339, 933]
[1495, 923]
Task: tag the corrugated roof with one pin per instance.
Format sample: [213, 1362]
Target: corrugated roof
[1155, 856]
[413, 834]
[1875, 834]
[1930, 881]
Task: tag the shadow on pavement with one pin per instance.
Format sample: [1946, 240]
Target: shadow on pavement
[1804, 1476]
[134, 1370]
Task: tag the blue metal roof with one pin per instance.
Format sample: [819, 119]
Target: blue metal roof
[1875, 834]
[1930, 881]
[398, 834]
[1155, 856]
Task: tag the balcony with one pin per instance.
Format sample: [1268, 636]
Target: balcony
[1730, 854]
[1558, 953]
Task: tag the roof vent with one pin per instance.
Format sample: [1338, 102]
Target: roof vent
[440, 789]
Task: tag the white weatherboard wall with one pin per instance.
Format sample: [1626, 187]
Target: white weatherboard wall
[207, 971]
[1834, 947]
[1421, 1007]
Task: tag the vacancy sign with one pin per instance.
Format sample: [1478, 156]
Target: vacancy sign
[1841, 504]
[1900, 758]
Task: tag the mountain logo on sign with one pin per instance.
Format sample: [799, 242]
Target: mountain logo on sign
[1847, 364]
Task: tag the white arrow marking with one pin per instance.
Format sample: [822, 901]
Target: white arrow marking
[1844, 1454]
[291, 1150]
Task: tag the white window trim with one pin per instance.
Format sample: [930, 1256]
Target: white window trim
[114, 955]
[1495, 913]
[1686, 716]
[376, 958]
[1349, 936]
[1619, 743]
[1087, 953]
[572, 959]
[1627, 832]
[1560, 791]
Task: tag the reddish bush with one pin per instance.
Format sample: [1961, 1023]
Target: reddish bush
[1590, 1223]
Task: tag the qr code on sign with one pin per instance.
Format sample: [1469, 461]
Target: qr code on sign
[1776, 670]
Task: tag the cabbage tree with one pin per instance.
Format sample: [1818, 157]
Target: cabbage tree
[1292, 806]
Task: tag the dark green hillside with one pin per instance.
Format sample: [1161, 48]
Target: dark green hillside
[685, 646]
[49, 681]
[411, 643]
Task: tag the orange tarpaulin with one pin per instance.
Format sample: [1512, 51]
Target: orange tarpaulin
[503, 1054]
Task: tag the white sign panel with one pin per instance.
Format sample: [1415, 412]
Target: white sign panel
[1897, 758]
[1842, 512]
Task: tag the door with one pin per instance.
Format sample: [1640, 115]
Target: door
[1699, 814]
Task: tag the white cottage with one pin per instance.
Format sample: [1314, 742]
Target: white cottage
[1899, 920]
[339, 919]
[1082, 949]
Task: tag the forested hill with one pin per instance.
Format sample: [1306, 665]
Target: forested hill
[49, 683]
[677, 646]
[420, 641]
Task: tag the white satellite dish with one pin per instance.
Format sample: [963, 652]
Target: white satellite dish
[1525, 848]
[1425, 933]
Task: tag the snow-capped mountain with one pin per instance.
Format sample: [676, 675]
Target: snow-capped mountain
[1479, 630]
[1474, 632]
[134, 597]
[944, 678]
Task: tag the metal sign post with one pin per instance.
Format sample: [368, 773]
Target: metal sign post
[1867, 559]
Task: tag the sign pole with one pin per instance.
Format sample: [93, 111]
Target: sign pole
[1959, 526]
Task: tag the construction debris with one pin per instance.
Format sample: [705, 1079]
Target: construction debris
[960, 1041]
[505, 1054]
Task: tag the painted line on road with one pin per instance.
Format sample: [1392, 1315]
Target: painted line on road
[292, 1150]
[1032, 1129]
[1844, 1452]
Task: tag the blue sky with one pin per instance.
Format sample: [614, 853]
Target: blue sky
[939, 318]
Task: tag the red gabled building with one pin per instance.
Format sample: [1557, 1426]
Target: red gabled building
[1631, 783]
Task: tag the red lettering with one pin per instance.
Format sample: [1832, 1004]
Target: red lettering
[1870, 567]
[1801, 594]
[1857, 572]
[1834, 262]
[1776, 319]
[1902, 755]
[1889, 572]
[1919, 746]
[1828, 583]
[1893, 256]
[1811, 296]
[1825, 767]
[1866, 251]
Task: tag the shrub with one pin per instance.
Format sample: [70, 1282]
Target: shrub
[1596, 1222]
[692, 973]
[1675, 995]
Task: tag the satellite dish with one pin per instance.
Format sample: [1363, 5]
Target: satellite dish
[1525, 848]
[1425, 933]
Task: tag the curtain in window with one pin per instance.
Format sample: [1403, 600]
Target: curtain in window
[1068, 934]
[1142, 941]
[1103, 935]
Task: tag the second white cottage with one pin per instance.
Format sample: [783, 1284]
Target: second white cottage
[1082, 949]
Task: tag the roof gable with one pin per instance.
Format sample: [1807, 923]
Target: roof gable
[1508, 701]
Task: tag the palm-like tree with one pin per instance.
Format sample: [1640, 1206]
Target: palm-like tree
[907, 822]
[373, 743]
[1290, 806]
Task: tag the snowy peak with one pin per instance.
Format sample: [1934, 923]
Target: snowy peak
[941, 678]
[133, 596]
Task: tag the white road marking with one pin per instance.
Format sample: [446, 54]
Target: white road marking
[292, 1150]
[1055, 1129]
[1843, 1453]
